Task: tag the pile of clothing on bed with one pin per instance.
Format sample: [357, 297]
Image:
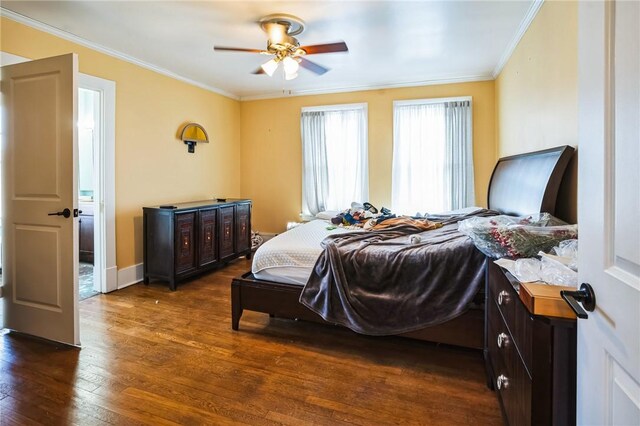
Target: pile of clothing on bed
[367, 217]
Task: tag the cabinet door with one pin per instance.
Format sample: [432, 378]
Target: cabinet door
[226, 233]
[208, 237]
[86, 238]
[185, 242]
[243, 227]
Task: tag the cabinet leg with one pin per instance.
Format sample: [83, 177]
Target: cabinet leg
[172, 285]
[145, 280]
[248, 256]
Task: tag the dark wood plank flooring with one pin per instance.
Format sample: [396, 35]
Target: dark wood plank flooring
[151, 356]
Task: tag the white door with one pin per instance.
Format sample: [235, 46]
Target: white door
[40, 256]
[609, 212]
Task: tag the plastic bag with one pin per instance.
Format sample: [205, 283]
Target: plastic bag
[515, 237]
[568, 250]
[527, 270]
[555, 272]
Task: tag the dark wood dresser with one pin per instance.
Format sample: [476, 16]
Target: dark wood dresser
[194, 237]
[530, 359]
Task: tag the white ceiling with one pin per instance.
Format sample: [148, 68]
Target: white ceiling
[391, 43]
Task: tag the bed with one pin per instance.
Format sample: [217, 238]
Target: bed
[520, 184]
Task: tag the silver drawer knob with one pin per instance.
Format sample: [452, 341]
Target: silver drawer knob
[503, 340]
[502, 382]
[503, 297]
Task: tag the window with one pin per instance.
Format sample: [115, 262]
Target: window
[334, 155]
[432, 167]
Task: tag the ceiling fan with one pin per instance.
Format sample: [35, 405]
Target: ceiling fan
[285, 48]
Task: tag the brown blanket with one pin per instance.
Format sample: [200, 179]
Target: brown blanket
[382, 283]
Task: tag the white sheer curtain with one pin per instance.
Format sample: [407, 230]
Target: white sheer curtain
[432, 169]
[458, 178]
[334, 153]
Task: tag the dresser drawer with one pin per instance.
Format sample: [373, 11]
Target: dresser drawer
[500, 342]
[514, 390]
[514, 313]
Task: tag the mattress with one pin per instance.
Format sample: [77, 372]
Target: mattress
[289, 257]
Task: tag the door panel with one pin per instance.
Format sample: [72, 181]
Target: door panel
[608, 389]
[41, 286]
[185, 240]
[226, 232]
[39, 139]
[207, 234]
[243, 232]
[40, 148]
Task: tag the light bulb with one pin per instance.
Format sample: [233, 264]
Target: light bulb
[270, 67]
[290, 66]
[288, 76]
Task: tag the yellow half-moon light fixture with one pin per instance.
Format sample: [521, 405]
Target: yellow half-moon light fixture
[193, 133]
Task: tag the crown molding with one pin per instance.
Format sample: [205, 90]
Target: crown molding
[522, 29]
[524, 26]
[326, 91]
[110, 52]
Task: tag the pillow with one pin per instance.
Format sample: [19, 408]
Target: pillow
[327, 214]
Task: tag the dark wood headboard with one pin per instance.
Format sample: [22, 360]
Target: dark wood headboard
[528, 183]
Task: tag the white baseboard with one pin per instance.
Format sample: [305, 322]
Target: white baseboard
[130, 275]
[112, 279]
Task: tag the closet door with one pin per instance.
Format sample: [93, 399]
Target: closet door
[208, 250]
[185, 242]
[226, 234]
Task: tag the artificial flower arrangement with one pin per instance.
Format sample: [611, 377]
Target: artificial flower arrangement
[516, 237]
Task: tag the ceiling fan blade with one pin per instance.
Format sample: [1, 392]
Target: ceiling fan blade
[235, 49]
[312, 66]
[259, 71]
[325, 48]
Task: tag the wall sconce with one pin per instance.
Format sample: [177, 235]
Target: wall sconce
[193, 133]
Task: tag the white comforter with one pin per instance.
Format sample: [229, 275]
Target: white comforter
[290, 256]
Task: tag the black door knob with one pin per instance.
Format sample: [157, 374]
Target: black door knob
[66, 213]
[585, 295]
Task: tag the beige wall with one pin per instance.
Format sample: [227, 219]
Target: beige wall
[152, 166]
[537, 93]
[271, 154]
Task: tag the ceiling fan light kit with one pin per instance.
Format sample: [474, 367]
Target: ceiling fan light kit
[281, 30]
[270, 67]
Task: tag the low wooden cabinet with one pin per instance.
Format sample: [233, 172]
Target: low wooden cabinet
[186, 239]
[530, 359]
[85, 233]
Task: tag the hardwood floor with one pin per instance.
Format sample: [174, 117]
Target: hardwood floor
[151, 356]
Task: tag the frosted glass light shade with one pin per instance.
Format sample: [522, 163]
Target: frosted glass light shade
[290, 65]
[270, 67]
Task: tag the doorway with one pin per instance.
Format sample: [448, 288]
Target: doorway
[96, 183]
[89, 134]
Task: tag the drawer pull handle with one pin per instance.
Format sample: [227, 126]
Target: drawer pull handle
[503, 298]
[502, 382]
[503, 340]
